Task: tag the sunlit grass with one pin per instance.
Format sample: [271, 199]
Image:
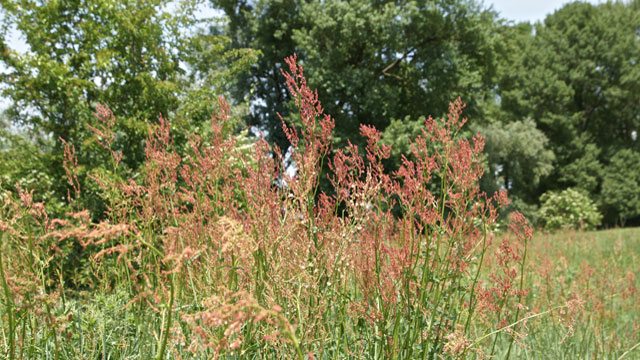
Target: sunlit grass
[601, 270]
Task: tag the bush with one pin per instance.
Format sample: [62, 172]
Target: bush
[568, 209]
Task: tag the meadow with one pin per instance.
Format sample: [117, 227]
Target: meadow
[598, 270]
[217, 252]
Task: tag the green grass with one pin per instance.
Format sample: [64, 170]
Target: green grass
[602, 269]
[606, 326]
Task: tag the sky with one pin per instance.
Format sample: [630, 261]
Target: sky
[528, 10]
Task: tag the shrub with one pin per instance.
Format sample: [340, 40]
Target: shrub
[568, 209]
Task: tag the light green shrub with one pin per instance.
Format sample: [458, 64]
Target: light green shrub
[568, 209]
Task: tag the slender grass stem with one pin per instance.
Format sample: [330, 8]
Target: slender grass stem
[167, 327]
[52, 324]
[524, 259]
[629, 351]
[478, 340]
[475, 280]
[9, 305]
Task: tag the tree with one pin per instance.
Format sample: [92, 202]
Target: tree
[576, 75]
[372, 61]
[518, 158]
[621, 187]
[138, 57]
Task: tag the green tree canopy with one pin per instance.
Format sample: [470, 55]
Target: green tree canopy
[518, 157]
[576, 75]
[371, 61]
[621, 187]
[141, 58]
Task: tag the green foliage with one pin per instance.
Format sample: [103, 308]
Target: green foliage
[621, 186]
[371, 61]
[142, 59]
[518, 157]
[576, 75]
[568, 209]
[398, 135]
[24, 164]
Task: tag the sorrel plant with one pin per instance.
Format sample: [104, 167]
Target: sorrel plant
[220, 252]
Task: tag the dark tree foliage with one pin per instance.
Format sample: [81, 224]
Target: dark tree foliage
[576, 75]
[371, 61]
[140, 58]
[621, 188]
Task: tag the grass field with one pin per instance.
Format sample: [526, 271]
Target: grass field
[600, 269]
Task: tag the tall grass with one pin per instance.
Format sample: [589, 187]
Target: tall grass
[595, 275]
[218, 252]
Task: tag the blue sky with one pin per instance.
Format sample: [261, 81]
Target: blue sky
[528, 10]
